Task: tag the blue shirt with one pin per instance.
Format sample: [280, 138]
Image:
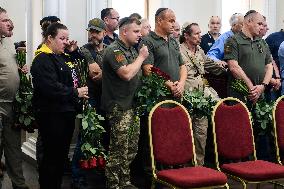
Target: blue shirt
[216, 52]
[281, 63]
[274, 40]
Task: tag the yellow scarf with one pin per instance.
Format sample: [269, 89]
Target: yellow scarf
[43, 49]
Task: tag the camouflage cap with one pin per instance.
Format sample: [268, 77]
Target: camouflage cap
[96, 24]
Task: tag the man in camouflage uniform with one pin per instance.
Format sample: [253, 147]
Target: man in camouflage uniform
[197, 64]
[249, 58]
[121, 63]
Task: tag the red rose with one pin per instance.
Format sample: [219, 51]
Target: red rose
[101, 162]
[84, 164]
[160, 73]
[92, 162]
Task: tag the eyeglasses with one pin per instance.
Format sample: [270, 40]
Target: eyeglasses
[117, 18]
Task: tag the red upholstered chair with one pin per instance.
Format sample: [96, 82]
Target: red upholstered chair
[172, 150]
[234, 141]
[278, 120]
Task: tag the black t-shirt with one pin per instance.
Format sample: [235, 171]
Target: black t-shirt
[206, 42]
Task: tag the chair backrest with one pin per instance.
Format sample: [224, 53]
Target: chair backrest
[278, 117]
[170, 134]
[232, 129]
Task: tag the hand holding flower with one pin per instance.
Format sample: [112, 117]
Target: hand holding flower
[83, 92]
[25, 69]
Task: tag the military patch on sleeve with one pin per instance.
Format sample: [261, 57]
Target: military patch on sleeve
[119, 57]
[228, 49]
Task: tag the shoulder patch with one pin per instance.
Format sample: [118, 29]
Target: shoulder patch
[227, 49]
[119, 57]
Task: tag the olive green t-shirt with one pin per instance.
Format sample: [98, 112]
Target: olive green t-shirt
[116, 91]
[251, 55]
[163, 54]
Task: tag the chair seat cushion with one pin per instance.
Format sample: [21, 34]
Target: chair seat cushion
[254, 170]
[192, 177]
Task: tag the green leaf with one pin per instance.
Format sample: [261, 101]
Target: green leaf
[93, 151]
[21, 118]
[85, 124]
[24, 109]
[27, 121]
[79, 116]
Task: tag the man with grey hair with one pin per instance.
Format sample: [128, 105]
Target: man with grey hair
[145, 27]
[176, 33]
[10, 137]
[216, 52]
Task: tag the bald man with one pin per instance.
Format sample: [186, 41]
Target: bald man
[164, 51]
[251, 63]
[176, 33]
[208, 39]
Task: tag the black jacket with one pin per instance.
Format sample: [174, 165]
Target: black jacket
[53, 84]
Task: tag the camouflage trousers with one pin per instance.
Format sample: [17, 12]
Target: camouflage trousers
[123, 147]
[199, 127]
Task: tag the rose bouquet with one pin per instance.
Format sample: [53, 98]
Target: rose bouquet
[261, 111]
[25, 118]
[151, 91]
[91, 130]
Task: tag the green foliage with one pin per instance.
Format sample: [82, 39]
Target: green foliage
[152, 91]
[262, 115]
[240, 86]
[261, 111]
[198, 104]
[25, 118]
[91, 133]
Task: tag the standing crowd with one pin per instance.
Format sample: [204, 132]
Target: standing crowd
[116, 62]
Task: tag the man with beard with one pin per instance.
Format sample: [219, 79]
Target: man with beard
[93, 54]
[111, 17]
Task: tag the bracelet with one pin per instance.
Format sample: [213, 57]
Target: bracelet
[277, 78]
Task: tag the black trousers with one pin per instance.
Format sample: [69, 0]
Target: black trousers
[56, 129]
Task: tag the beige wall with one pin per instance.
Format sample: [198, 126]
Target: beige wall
[279, 14]
[186, 10]
[16, 11]
[198, 11]
[76, 20]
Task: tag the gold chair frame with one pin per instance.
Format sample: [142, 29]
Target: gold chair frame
[243, 181]
[154, 178]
